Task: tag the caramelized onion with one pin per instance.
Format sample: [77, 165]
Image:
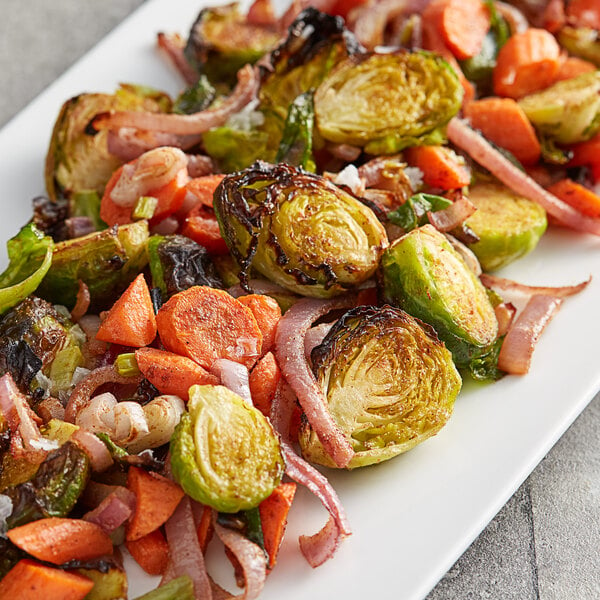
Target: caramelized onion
[82, 303]
[502, 284]
[234, 376]
[449, 218]
[100, 458]
[172, 44]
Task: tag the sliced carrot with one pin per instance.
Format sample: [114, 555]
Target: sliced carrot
[577, 196]
[442, 167]
[273, 515]
[528, 62]
[151, 552]
[503, 121]
[585, 153]
[267, 313]
[58, 540]
[156, 499]
[263, 382]
[203, 188]
[584, 13]
[29, 580]
[204, 528]
[131, 320]
[202, 226]
[572, 67]
[171, 373]
[205, 324]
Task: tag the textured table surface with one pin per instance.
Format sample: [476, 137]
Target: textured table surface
[545, 543]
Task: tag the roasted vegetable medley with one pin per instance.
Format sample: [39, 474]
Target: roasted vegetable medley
[289, 264]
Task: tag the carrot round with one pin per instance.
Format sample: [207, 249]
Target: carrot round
[156, 500]
[131, 320]
[29, 580]
[171, 373]
[587, 154]
[577, 196]
[528, 62]
[442, 168]
[201, 226]
[273, 515]
[503, 121]
[267, 313]
[57, 540]
[584, 13]
[151, 552]
[263, 382]
[206, 324]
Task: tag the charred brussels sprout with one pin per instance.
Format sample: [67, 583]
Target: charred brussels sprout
[581, 41]
[568, 111]
[389, 383]
[177, 263]
[425, 276]
[224, 452]
[508, 226]
[222, 41]
[77, 161]
[387, 102]
[298, 229]
[107, 261]
[108, 575]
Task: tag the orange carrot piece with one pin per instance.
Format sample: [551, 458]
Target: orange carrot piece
[202, 226]
[263, 382]
[584, 13]
[577, 196]
[273, 515]
[151, 552]
[131, 320]
[203, 188]
[156, 499]
[171, 373]
[29, 580]
[58, 540]
[441, 166]
[205, 529]
[503, 121]
[587, 154]
[528, 62]
[572, 67]
[205, 324]
[267, 313]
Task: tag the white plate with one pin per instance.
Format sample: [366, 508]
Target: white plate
[413, 516]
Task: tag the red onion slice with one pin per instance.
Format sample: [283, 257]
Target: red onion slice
[314, 336]
[289, 349]
[502, 284]
[258, 286]
[82, 302]
[100, 458]
[505, 314]
[321, 546]
[172, 45]
[449, 218]
[234, 376]
[128, 143]
[519, 343]
[111, 513]
[485, 154]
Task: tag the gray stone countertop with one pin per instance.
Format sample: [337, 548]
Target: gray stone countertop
[545, 543]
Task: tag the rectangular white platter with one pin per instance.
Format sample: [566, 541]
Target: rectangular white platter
[413, 516]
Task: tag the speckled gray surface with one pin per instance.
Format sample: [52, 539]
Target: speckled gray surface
[544, 544]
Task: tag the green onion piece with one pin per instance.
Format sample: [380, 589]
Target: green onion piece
[126, 365]
[144, 207]
[63, 366]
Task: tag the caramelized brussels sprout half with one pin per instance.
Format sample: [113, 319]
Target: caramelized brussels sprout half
[508, 225]
[298, 229]
[222, 41]
[568, 111]
[109, 577]
[425, 276]
[180, 588]
[581, 41]
[387, 102]
[224, 452]
[389, 383]
[77, 161]
[107, 261]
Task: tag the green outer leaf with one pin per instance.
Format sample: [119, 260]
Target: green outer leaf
[297, 139]
[413, 213]
[30, 256]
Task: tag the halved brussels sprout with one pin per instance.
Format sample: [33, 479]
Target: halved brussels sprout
[298, 229]
[387, 102]
[224, 452]
[77, 161]
[389, 383]
[581, 41]
[426, 277]
[109, 577]
[568, 111]
[107, 261]
[508, 225]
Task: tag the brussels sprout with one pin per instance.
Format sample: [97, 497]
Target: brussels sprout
[177, 263]
[53, 490]
[389, 383]
[224, 452]
[387, 102]
[297, 138]
[425, 276]
[508, 225]
[180, 588]
[30, 256]
[196, 98]
[582, 42]
[109, 577]
[222, 41]
[568, 111]
[298, 229]
[413, 213]
[107, 261]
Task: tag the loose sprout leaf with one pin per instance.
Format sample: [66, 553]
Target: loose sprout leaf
[195, 98]
[485, 368]
[413, 213]
[30, 257]
[582, 42]
[86, 203]
[297, 140]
